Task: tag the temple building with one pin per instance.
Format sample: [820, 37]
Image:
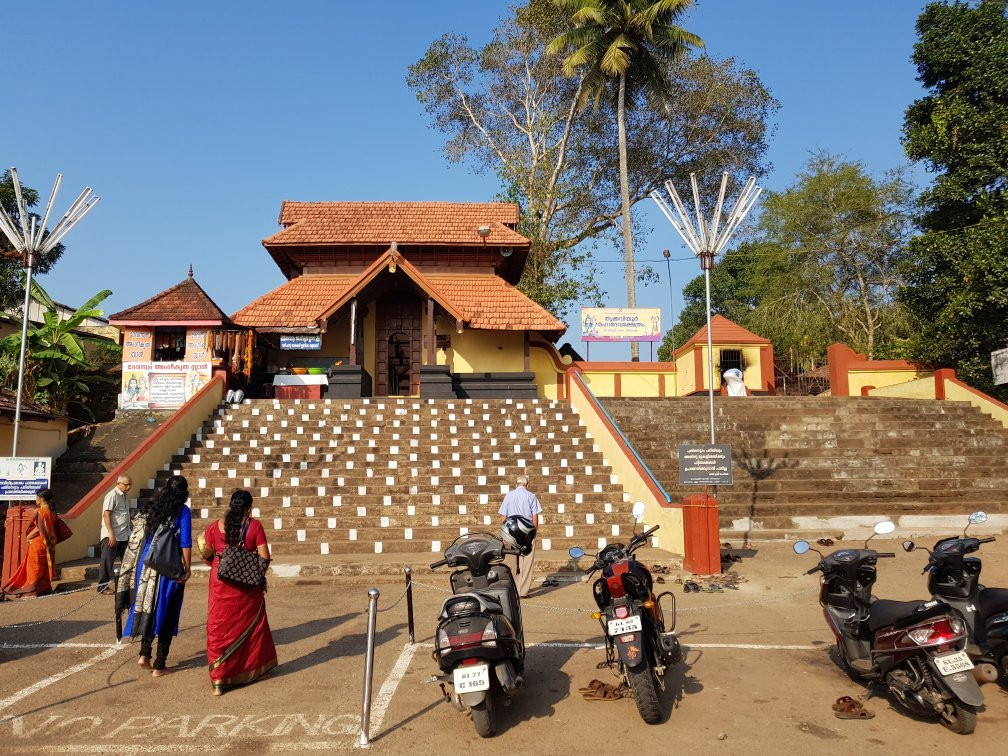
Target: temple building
[398, 298]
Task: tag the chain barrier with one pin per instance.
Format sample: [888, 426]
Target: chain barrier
[396, 602]
[58, 616]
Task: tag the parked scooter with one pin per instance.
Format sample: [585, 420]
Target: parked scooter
[638, 643]
[915, 648]
[479, 644]
[955, 579]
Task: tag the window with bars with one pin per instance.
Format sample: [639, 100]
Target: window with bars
[730, 358]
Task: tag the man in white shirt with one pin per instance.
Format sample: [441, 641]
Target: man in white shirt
[520, 501]
[115, 531]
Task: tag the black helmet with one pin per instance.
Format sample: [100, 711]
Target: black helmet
[518, 533]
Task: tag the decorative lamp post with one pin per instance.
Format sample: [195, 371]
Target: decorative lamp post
[668, 267]
[706, 241]
[29, 238]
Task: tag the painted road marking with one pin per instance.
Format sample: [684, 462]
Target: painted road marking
[686, 644]
[388, 688]
[41, 684]
[52, 645]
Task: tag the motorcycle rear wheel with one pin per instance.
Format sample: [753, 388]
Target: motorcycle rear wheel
[644, 684]
[963, 718]
[484, 715]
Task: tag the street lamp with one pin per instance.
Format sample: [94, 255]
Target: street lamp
[668, 267]
[29, 238]
[706, 241]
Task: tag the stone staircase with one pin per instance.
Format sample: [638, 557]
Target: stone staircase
[400, 475]
[814, 465]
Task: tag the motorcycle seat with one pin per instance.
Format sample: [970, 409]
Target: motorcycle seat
[885, 613]
[992, 601]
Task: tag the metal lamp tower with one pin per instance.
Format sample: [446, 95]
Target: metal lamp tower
[707, 241]
[29, 238]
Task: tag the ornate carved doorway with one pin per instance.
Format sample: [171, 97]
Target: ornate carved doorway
[397, 351]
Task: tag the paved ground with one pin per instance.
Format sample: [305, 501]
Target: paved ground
[757, 673]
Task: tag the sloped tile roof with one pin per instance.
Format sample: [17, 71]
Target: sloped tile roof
[723, 331]
[296, 304]
[485, 301]
[491, 303]
[421, 223]
[184, 302]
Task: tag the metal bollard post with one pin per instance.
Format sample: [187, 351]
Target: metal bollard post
[409, 602]
[369, 666]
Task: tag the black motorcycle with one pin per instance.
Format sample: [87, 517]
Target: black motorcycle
[639, 646]
[954, 578]
[479, 644]
[914, 648]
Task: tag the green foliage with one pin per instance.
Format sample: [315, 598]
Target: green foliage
[507, 108]
[12, 294]
[62, 367]
[823, 265]
[957, 287]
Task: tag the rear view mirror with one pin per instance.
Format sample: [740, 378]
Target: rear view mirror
[800, 547]
[576, 552]
[978, 518]
[884, 528]
[908, 546]
[638, 511]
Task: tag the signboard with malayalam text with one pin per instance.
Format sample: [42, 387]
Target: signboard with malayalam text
[620, 324]
[21, 477]
[161, 385]
[999, 366]
[705, 465]
[304, 342]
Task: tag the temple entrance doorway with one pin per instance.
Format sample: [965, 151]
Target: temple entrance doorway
[397, 351]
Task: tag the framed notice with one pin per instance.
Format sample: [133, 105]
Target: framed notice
[21, 477]
[161, 385]
[705, 465]
[620, 324]
[999, 365]
[301, 342]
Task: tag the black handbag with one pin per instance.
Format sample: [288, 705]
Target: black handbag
[239, 565]
[164, 555]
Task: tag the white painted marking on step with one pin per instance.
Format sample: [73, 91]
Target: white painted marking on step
[388, 688]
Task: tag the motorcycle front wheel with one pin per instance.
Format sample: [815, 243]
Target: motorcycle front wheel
[484, 715]
[644, 684]
[960, 718]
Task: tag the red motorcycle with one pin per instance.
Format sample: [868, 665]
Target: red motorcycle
[638, 644]
[915, 648]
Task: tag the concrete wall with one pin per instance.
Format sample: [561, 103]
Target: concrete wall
[920, 388]
[474, 351]
[37, 438]
[142, 464]
[630, 472]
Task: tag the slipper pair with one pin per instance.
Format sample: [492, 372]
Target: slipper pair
[660, 580]
[731, 558]
[825, 541]
[600, 691]
[550, 582]
[849, 708]
[690, 586]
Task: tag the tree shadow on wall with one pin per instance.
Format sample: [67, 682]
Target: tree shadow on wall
[760, 468]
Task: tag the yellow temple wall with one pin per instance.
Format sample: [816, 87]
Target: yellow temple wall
[475, 351]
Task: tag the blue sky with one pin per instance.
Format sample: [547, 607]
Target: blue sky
[194, 120]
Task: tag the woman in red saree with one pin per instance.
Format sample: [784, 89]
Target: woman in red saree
[36, 572]
[239, 643]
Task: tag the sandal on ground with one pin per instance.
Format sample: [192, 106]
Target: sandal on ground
[605, 693]
[592, 686]
[825, 541]
[660, 580]
[849, 708]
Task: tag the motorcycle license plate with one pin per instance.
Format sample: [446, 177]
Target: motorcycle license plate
[627, 625]
[951, 663]
[472, 677]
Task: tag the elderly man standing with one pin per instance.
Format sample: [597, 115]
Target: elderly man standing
[522, 502]
[115, 531]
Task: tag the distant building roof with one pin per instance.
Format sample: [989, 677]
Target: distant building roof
[723, 331]
[29, 410]
[417, 223]
[185, 302]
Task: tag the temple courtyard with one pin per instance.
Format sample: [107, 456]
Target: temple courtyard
[758, 670]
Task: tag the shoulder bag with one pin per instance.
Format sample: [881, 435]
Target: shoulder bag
[239, 565]
[164, 555]
[62, 530]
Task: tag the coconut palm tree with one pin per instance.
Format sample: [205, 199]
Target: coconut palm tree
[629, 43]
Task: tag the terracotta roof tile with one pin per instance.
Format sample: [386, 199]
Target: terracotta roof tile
[423, 223]
[723, 331]
[183, 302]
[296, 304]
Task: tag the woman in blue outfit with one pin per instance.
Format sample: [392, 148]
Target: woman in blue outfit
[155, 601]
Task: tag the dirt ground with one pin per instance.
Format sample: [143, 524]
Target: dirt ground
[757, 674]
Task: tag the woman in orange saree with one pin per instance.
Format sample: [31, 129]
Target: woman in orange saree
[36, 572]
[239, 642]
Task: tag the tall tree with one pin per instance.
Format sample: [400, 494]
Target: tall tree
[11, 292]
[629, 43]
[958, 278]
[507, 108]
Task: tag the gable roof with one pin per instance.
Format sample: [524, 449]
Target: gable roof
[723, 331]
[185, 302]
[381, 223]
[481, 300]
